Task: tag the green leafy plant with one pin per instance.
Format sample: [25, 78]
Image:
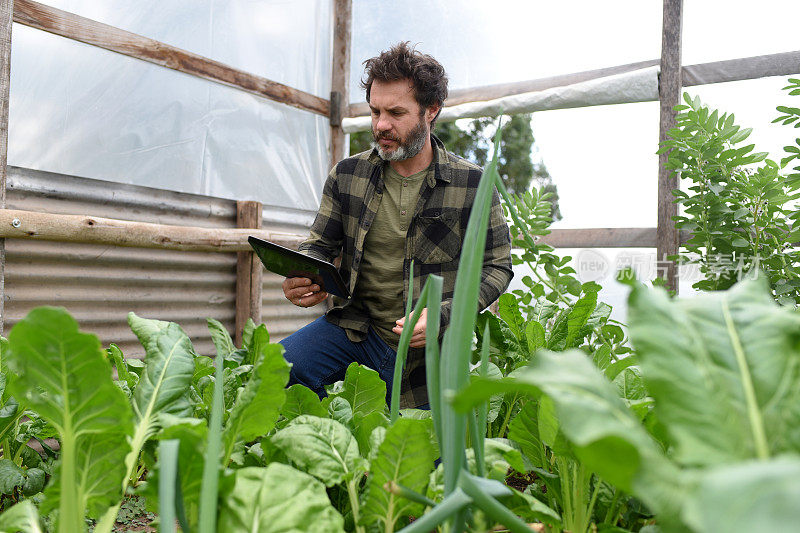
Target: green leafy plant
[721, 370]
[740, 217]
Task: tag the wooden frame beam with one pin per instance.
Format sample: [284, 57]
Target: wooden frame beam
[96, 230]
[6, 15]
[340, 75]
[248, 271]
[601, 238]
[669, 93]
[77, 28]
[746, 68]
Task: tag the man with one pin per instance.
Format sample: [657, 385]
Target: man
[407, 198]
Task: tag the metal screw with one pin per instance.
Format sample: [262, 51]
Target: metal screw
[16, 223]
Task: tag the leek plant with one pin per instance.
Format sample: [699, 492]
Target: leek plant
[449, 373]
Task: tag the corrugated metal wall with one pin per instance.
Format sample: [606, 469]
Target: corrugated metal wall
[100, 284]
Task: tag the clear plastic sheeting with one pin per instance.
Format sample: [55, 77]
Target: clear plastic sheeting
[80, 110]
[630, 87]
[485, 43]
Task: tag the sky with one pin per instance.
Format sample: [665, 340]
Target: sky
[601, 158]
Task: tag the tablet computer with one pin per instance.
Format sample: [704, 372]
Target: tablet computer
[292, 264]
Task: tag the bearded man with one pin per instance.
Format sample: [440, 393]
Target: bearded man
[406, 199]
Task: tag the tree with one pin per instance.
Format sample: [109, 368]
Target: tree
[516, 164]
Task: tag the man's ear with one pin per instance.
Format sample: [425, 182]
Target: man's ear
[432, 112]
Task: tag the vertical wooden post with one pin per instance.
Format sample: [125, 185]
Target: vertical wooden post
[340, 75]
[248, 271]
[669, 93]
[6, 18]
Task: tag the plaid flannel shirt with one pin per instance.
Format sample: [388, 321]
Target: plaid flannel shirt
[350, 199]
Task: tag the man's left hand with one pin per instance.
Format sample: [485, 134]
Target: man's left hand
[418, 336]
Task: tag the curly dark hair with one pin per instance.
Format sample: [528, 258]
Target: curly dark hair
[403, 62]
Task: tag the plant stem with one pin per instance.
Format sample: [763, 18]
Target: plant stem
[753, 412]
[507, 418]
[612, 509]
[592, 500]
[352, 493]
[70, 512]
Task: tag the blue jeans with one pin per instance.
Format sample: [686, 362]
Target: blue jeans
[321, 352]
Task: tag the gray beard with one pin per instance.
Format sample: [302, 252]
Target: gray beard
[406, 150]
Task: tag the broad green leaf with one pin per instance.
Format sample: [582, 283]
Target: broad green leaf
[22, 517]
[535, 334]
[64, 377]
[508, 310]
[364, 390]
[322, 447]
[630, 384]
[722, 368]
[162, 388]
[524, 430]
[247, 333]
[578, 316]
[757, 496]
[529, 508]
[29, 481]
[339, 409]
[363, 426]
[404, 457]
[221, 338]
[278, 499]
[258, 404]
[123, 374]
[603, 433]
[10, 413]
[168, 368]
[501, 451]
[301, 400]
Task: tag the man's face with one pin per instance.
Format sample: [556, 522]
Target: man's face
[399, 129]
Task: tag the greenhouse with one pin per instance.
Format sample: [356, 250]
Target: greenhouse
[353, 266]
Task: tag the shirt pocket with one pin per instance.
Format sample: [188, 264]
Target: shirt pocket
[437, 236]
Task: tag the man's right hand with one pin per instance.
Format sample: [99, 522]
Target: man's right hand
[302, 293]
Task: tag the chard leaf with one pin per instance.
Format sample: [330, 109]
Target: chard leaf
[723, 371]
[162, 388]
[221, 338]
[339, 409]
[258, 405]
[301, 400]
[21, 517]
[364, 390]
[247, 333]
[63, 375]
[524, 430]
[363, 427]
[604, 434]
[322, 447]
[404, 458]
[123, 374]
[761, 494]
[278, 499]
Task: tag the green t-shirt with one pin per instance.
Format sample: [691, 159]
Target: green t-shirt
[379, 289]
